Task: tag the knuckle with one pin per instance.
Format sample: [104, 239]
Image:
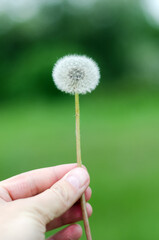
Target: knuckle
[62, 193]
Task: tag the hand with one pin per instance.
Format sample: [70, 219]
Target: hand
[41, 200]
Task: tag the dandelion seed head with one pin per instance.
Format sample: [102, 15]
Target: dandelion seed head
[76, 74]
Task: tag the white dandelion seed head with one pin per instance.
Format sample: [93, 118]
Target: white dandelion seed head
[76, 74]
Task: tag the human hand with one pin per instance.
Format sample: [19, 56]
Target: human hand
[41, 200]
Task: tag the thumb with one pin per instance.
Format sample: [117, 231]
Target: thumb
[61, 196]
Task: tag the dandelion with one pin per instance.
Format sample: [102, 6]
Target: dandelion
[76, 75]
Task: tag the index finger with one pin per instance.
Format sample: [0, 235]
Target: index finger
[33, 182]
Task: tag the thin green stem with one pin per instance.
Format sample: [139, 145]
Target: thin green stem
[79, 162]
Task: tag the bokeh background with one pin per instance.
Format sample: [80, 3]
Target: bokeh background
[119, 120]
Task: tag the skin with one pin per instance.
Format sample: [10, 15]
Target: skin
[38, 201]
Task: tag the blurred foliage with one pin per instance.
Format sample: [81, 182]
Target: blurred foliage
[115, 33]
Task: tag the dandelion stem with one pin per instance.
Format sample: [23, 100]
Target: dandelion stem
[79, 162]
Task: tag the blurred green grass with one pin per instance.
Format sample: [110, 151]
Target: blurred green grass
[120, 137]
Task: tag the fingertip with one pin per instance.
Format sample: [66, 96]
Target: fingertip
[78, 178]
[76, 229]
[88, 193]
[89, 209]
[73, 231]
[83, 166]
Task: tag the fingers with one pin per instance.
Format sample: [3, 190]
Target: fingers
[74, 214]
[31, 183]
[73, 232]
[61, 196]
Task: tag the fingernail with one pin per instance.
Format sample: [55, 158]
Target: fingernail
[78, 177]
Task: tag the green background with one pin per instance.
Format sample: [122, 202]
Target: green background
[119, 120]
